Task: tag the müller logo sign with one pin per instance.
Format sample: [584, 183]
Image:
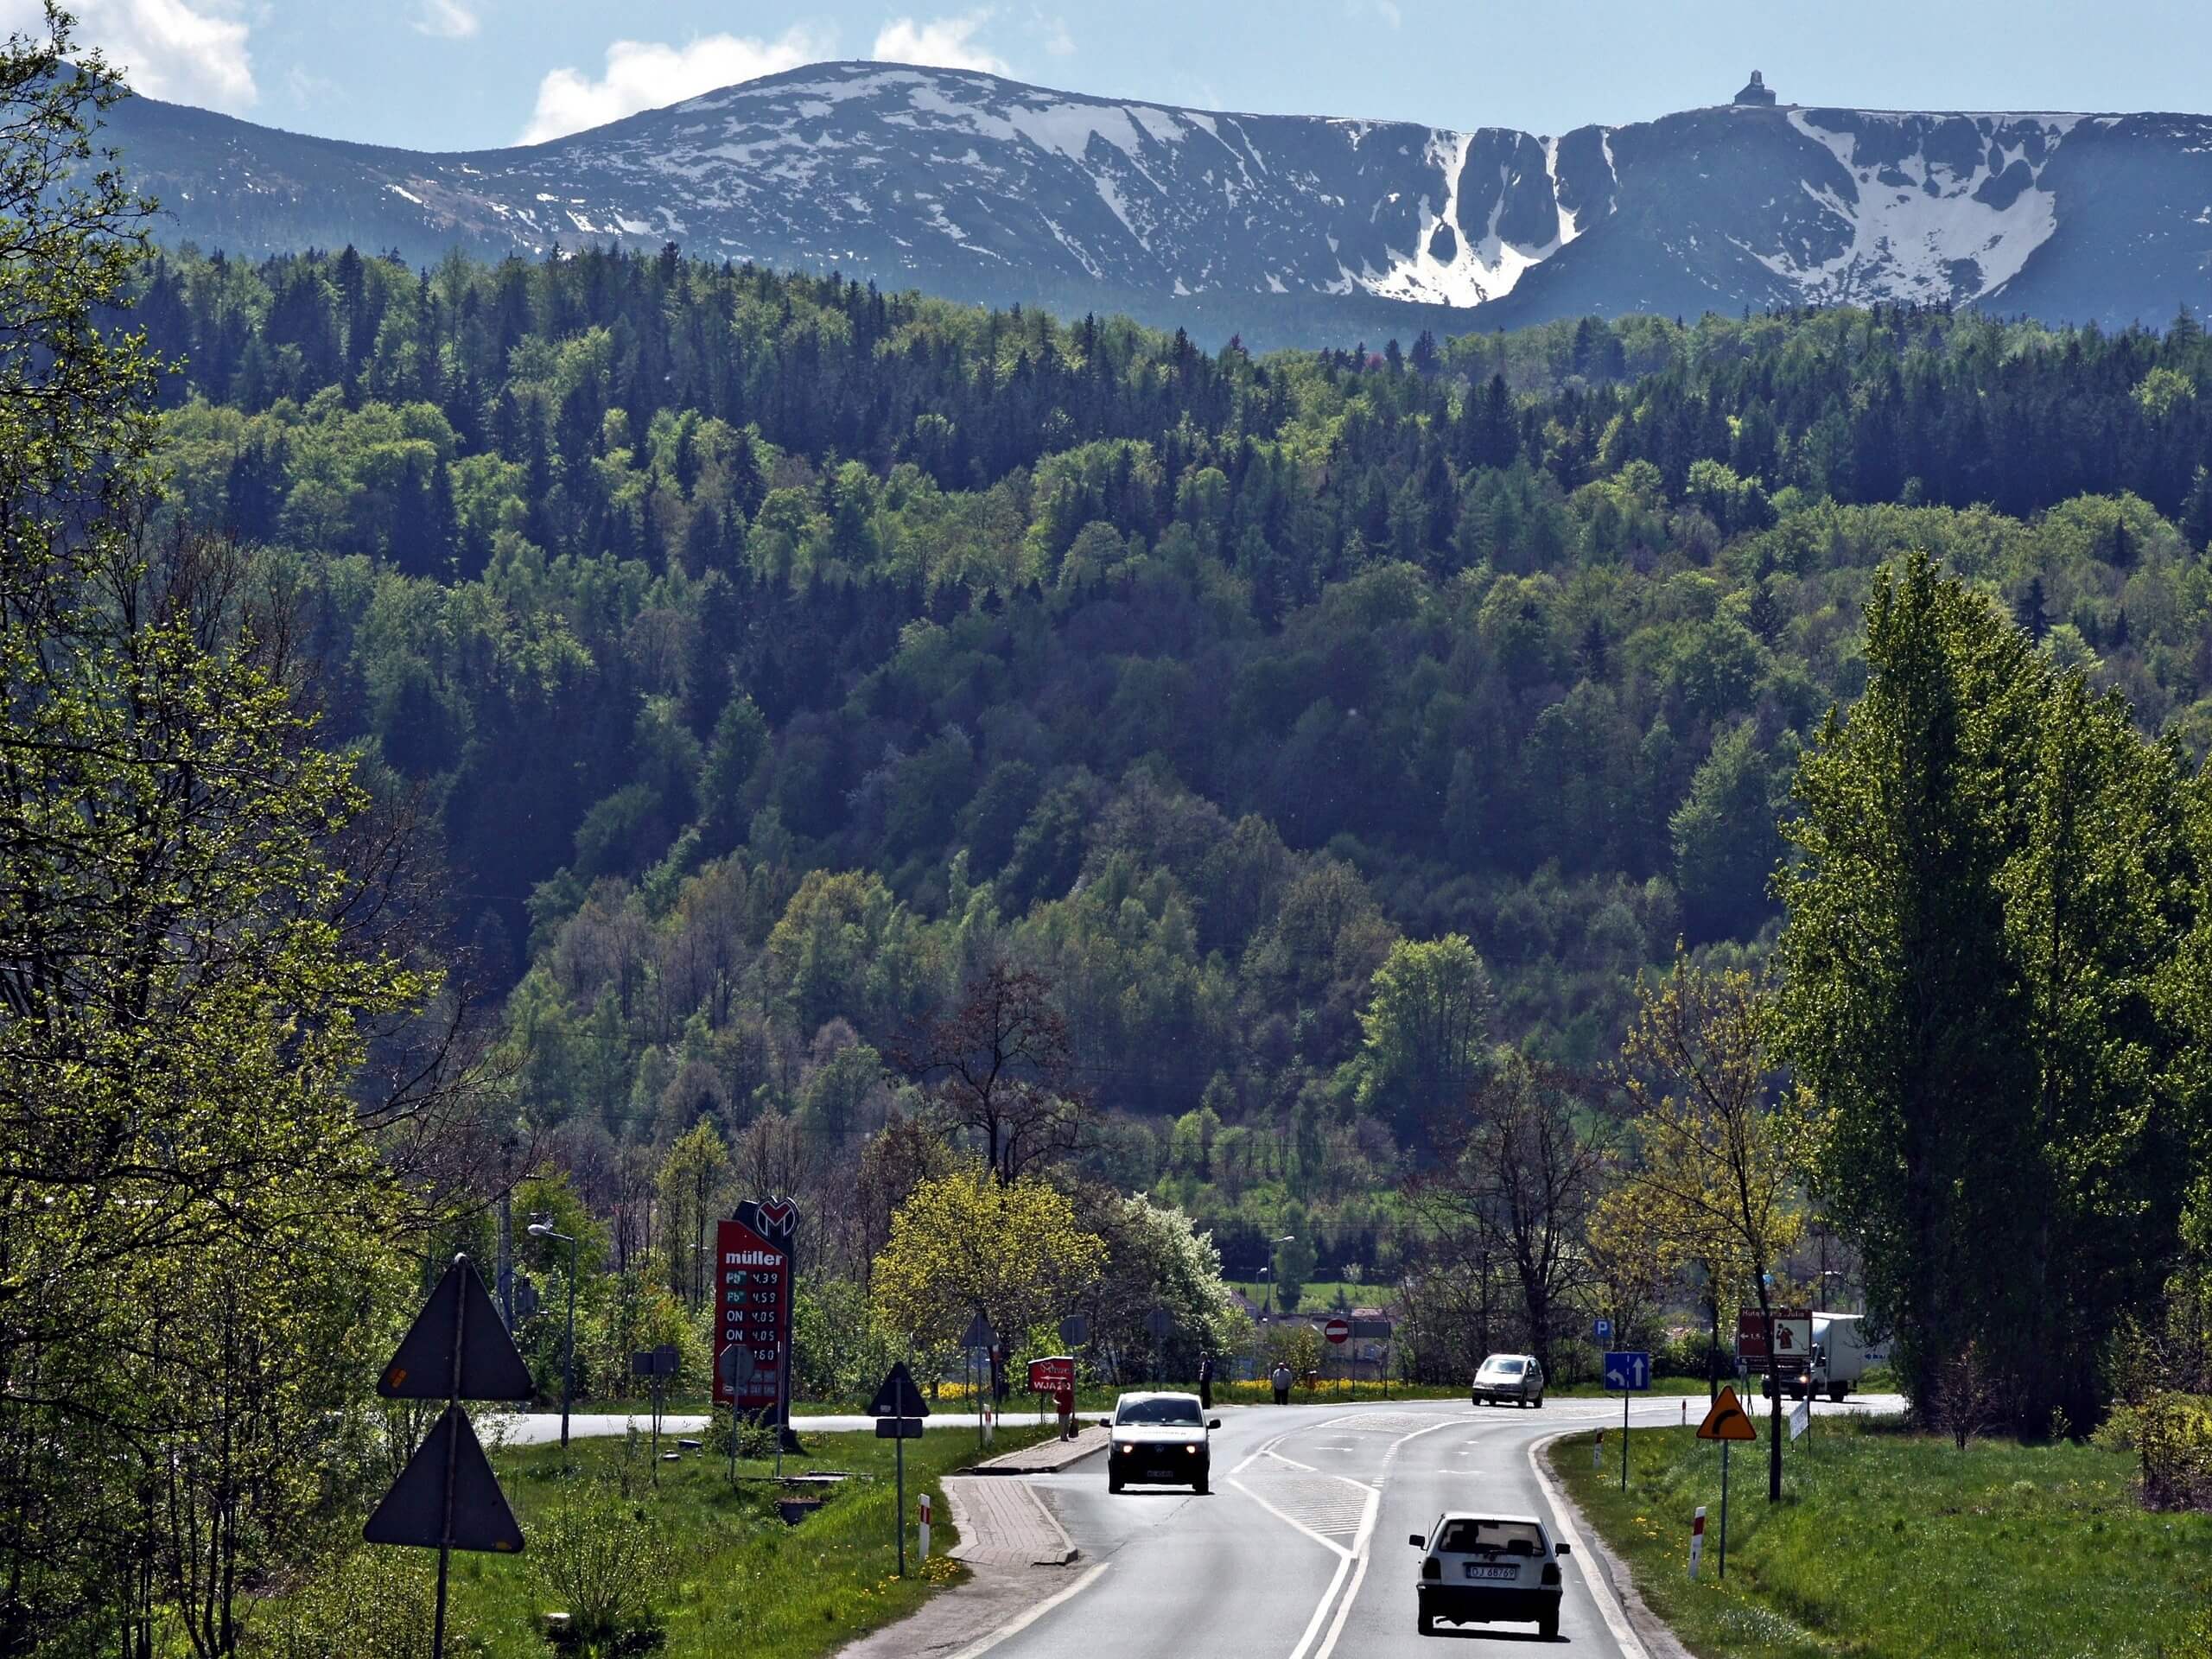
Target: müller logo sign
[755, 1311]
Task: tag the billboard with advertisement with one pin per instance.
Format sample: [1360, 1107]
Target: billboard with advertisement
[1793, 1337]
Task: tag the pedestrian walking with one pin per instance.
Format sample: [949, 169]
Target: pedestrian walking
[1205, 1381]
[1063, 1402]
[1282, 1378]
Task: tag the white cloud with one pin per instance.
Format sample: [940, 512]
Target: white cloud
[1059, 42]
[448, 20]
[941, 43]
[1386, 9]
[645, 75]
[191, 51]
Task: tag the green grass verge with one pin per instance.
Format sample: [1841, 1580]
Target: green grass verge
[1893, 1544]
[747, 1585]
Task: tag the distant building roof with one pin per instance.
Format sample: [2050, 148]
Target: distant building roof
[1756, 92]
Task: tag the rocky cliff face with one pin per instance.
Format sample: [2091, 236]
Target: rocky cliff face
[979, 189]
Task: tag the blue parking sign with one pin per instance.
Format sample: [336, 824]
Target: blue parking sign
[1627, 1372]
[1604, 1332]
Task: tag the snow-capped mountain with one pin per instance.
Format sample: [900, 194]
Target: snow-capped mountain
[1288, 226]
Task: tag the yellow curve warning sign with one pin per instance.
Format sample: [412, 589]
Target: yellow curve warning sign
[1726, 1421]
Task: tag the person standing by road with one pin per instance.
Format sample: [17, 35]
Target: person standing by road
[1280, 1377]
[1064, 1402]
[1205, 1381]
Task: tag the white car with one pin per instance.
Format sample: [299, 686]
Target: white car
[1484, 1569]
[1509, 1379]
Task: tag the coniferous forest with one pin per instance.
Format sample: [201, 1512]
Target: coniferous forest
[772, 651]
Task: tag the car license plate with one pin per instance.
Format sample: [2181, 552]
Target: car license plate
[1477, 1570]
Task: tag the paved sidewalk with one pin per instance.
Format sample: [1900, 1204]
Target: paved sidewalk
[1046, 1456]
[1004, 1523]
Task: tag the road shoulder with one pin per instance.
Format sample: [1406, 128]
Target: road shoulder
[1598, 1561]
[1020, 1562]
[1046, 1456]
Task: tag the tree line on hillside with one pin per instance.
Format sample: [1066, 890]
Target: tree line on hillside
[752, 723]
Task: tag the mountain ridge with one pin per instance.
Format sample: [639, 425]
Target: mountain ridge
[1310, 227]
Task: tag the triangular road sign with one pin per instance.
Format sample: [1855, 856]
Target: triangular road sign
[1726, 1421]
[490, 1367]
[899, 1397]
[978, 1334]
[414, 1510]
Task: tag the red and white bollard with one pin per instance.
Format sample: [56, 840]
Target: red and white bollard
[990, 1423]
[926, 1527]
[1697, 1541]
[1598, 1452]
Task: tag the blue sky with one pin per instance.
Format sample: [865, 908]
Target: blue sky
[472, 73]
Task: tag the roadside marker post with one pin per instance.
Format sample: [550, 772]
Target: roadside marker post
[926, 1529]
[1629, 1371]
[1598, 1452]
[1697, 1541]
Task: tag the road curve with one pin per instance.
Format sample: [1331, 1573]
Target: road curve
[1300, 1551]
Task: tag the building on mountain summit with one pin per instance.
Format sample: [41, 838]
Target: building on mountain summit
[1756, 92]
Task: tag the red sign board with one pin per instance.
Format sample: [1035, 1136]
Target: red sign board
[753, 1297]
[1051, 1376]
[1338, 1330]
[1793, 1336]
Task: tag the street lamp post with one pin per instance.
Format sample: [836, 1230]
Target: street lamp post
[1285, 1239]
[543, 1227]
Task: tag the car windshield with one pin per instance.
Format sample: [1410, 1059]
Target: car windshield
[1494, 1537]
[1180, 1413]
[1504, 1367]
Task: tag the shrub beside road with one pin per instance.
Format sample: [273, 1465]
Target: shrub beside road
[1893, 1543]
[740, 1583]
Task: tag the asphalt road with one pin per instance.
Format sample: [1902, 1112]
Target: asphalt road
[1300, 1551]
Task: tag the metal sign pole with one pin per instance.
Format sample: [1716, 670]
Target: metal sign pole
[1723, 1509]
[898, 1514]
[1624, 1398]
[453, 1452]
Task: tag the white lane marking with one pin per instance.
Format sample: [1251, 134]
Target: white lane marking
[1269, 1448]
[1022, 1621]
[1593, 1577]
[1366, 1536]
[1327, 1543]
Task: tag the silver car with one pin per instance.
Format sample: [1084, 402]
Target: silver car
[1485, 1569]
[1509, 1380]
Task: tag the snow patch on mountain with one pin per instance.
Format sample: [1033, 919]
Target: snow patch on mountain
[1924, 226]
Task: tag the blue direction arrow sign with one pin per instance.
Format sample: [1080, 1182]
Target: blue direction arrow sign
[1627, 1372]
[1603, 1332]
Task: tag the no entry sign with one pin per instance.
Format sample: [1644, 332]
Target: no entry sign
[1338, 1330]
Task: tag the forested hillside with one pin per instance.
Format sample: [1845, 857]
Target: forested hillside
[777, 653]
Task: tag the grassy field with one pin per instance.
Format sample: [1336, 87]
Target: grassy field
[744, 1583]
[1897, 1545]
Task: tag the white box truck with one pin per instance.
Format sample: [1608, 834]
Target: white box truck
[1839, 1358]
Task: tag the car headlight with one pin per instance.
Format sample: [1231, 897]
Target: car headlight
[1125, 1446]
[1192, 1448]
